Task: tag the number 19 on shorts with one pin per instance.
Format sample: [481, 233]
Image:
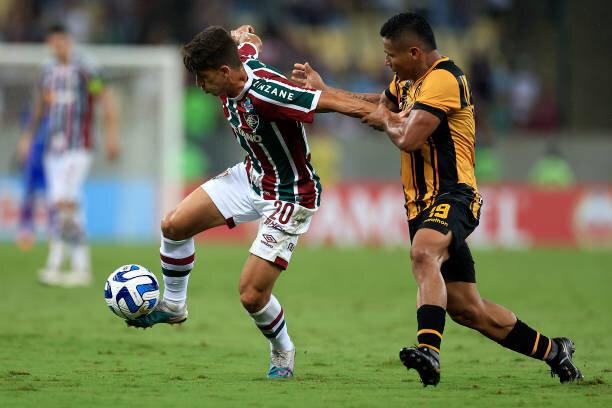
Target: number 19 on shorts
[440, 211]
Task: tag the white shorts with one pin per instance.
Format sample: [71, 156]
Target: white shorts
[65, 174]
[281, 223]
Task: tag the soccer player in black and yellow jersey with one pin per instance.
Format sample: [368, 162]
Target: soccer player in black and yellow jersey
[428, 113]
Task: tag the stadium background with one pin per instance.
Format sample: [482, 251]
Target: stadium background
[539, 72]
[538, 75]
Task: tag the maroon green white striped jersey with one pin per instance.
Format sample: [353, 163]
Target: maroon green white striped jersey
[266, 118]
[72, 88]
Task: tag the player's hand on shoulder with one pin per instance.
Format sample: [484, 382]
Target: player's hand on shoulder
[246, 34]
[237, 33]
[305, 76]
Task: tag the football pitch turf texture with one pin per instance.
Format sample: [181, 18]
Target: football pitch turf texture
[349, 311]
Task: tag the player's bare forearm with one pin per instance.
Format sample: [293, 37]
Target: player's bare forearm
[304, 75]
[394, 127]
[341, 102]
[409, 130]
[368, 97]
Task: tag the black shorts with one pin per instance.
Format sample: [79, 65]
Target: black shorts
[457, 211]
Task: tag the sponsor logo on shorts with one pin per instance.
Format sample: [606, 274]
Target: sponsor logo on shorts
[291, 247]
[439, 221]
[269, 238]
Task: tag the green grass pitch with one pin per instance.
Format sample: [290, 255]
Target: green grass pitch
[348, 311]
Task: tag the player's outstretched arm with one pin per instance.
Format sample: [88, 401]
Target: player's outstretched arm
[408, 130]
[333, 101]
[246, 34]
[304, 75]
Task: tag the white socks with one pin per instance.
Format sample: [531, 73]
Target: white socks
[57, 250]
[271, 321]
[177, 259]
[68, 240]
[81, 262]
[175, 288]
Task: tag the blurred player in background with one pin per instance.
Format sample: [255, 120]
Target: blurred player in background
[33, 178]
[428, 113]
[68, 89]
[275, 184]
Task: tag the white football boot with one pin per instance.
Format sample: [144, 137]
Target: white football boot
[77, 278]
[50, 277]
[281, 364]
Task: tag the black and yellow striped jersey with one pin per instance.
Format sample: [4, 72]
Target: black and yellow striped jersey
[446, 161]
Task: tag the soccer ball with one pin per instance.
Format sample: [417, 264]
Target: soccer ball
[131, 291]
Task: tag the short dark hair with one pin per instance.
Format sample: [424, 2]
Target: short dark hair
[414, 23]
[57, 28]
[211, 49]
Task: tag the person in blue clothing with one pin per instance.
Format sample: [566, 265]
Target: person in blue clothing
[34, 185]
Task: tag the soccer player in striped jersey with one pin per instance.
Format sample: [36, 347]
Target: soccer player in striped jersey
[66, 94]
[275, 184]
[428, 113]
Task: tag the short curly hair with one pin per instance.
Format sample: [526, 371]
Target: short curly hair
[211, 49]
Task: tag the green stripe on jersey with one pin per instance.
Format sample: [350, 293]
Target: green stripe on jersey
[235, 121]
[234, 118]
[284, 94]
[256, 64]
[273, 145]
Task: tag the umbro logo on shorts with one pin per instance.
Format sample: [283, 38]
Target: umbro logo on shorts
[269, 238]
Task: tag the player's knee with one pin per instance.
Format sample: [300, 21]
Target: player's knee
[421, 255]
[252, 300]
[172, 228]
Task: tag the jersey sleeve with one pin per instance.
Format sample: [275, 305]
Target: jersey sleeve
[439, 94]
[391, 91]
[276, 98]
[247, 50]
